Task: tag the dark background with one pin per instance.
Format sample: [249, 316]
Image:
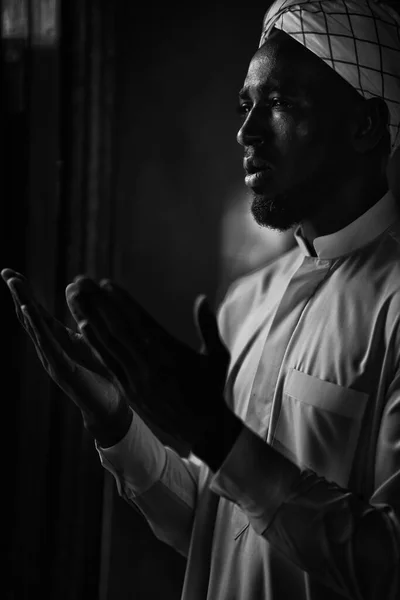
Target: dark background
[119, 159]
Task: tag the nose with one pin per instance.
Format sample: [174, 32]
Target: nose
[251, 132]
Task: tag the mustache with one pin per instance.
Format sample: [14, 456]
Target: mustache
[253, 162]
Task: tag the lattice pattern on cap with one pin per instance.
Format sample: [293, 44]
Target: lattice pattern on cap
[359, 39]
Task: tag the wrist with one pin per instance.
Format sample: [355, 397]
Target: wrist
[111, 430]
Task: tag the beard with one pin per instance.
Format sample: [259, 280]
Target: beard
[283, 210]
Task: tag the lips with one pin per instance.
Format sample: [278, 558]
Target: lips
[258, 172]
[258, 179]
[254, 165]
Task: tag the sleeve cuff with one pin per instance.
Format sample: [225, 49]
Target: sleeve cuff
[256, 478]
[138, 459]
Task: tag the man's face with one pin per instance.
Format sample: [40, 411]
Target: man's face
[295, 134]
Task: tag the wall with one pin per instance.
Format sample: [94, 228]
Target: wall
[181, 206]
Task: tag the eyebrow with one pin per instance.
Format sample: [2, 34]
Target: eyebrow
[271, 84]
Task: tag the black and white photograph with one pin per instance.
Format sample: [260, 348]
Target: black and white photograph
[200, 299]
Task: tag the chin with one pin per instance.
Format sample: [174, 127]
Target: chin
[275, 213]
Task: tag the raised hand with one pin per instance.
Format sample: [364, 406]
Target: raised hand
[71, 363]
[178, 389]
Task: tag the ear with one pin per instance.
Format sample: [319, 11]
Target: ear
[370, 125]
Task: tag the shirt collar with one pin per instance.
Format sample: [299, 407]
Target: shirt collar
[355, 235]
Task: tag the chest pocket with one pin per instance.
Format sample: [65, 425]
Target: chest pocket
[319, 424]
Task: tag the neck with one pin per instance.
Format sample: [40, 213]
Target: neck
[343, 208]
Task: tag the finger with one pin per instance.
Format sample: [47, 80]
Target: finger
[121, 359]
[93, 338]
[82, 286]
[81, 283]
[17, 307]
[41, 336]
[115, 327]
[207, 326]
[21, 294]
[56, 361]
[59, 367]
[16, 279]
[18, 298]
[20, 291]
[31, 332]
[27, 324]
[9, 273]
[83, 297]
[73, 297]
[142, 322]
[130, 370]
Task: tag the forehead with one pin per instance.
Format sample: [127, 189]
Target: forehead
[284, 64]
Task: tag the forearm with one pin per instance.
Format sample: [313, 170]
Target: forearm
[341, 539]
[347, 543]
[169, 504]
[156, 481]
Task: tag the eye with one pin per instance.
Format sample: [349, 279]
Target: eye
[279, 103]
[243, 109]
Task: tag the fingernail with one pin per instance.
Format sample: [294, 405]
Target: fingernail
[106, 284]
[86, 284]
[7, 274]
[81, 279]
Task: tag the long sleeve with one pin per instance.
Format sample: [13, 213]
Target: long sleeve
[156, 481]
[349, 543]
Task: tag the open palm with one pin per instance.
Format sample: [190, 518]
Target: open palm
[65, 355]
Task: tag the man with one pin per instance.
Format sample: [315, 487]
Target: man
[292, 490]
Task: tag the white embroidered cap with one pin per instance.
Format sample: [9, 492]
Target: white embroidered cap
[359, 39]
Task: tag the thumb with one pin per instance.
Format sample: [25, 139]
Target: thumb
[207, 327]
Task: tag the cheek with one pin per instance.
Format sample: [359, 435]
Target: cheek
[305, 131]
[290, 140]
[319, 142]
[309, 155]
[306, 145]
[315, 134]
[299, 135]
